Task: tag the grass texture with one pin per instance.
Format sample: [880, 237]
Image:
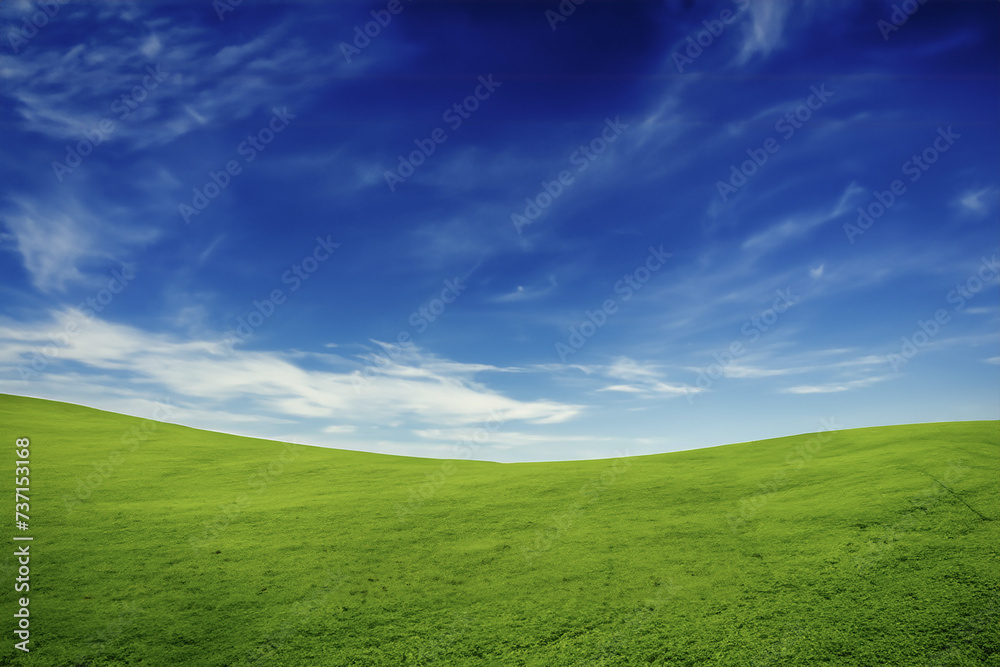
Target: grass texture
[156, 544]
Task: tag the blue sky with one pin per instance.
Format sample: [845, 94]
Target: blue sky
[511, 231]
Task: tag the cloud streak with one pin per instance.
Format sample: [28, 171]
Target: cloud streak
[418, 389]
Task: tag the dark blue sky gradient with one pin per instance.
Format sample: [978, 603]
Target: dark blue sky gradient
[638, 384]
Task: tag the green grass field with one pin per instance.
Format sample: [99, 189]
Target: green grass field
[157, 544]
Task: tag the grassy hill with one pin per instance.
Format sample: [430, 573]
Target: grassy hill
[157, 544]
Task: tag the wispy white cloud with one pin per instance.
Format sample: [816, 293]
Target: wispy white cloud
[624, 368]
[206, 253]
[340, 428]
[829, 369]
[60, 239]
[501, 438]
[522, 293]
[51, 245]
[624, 388]
[201, 375]
[151, 47]
[799, 225]
[978, 202]
[635, 378]
[763, 32]
[63, 94]
[756, 373]
[834, 387]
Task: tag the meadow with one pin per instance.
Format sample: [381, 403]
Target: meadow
[156, 544]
